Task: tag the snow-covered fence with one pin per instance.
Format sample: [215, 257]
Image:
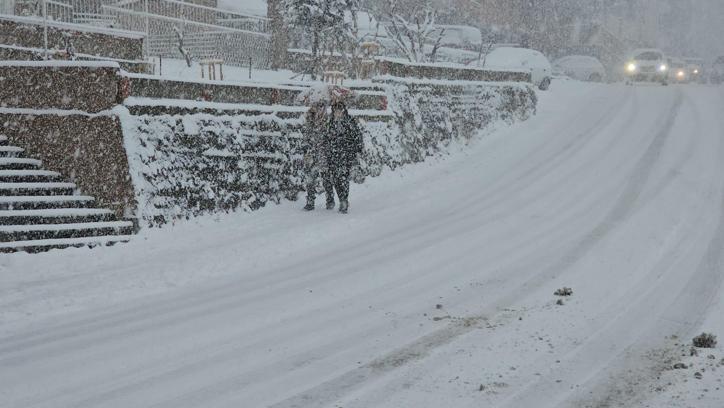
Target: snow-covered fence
[203, 35]
[233, 47]
[208, 32]
[151, 13]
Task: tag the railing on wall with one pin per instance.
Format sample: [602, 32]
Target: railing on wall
[207, 32]
[233, 47]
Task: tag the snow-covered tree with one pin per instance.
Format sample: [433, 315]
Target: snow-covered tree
[279, 38]
[413, 36]
[320, 20]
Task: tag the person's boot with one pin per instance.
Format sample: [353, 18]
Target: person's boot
[310, 204]
[330, 203]
[343, 206]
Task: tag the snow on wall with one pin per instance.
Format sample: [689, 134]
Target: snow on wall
[185, 165]
[188, 165]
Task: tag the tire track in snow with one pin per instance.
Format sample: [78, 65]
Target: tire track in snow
[187, 309]
[608, 363]
[332, 390]
[683, 317]
[228, 295]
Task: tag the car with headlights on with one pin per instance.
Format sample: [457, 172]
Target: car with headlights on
[717, 71]
[695, 66]
[678, 71]
[647, 65]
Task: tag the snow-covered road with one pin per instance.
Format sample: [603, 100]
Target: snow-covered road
[435, 291]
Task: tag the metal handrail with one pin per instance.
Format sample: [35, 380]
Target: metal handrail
[210, 27]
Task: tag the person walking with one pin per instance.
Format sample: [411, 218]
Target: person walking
[342, 145]
[315, 160]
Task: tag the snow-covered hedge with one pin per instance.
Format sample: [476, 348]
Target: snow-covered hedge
[184, 165]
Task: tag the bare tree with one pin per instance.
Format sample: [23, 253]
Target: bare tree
[181, 48]
[411, 36]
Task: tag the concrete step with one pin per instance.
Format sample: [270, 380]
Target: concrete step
[34, 189]
[14, 163]
[11, 151]
[45, 202]
[48, 244]
[30, 176]
[55, 216]
[38, 210]
[11, 233]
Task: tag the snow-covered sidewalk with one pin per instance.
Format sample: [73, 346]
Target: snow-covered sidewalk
[436, 290]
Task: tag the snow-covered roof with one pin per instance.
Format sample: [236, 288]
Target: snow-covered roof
[252, 7]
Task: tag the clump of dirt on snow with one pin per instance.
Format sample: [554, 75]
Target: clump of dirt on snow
[564, 291]
[705, 340]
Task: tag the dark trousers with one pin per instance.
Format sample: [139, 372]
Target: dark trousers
[336, 178]
[311, 177]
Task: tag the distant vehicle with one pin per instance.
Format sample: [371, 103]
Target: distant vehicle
[678, 71]
[581, 67]
[460, 37]
[717, 71]
[647, 65]
[520, 59]
[695, 66]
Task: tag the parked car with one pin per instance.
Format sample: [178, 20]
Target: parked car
[717, 71]
[647, 65]
[695, 66]
[520, 59]
[581, 67]
[678, 71]
[459, 37]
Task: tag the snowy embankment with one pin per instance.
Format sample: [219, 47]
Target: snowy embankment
[436, 290]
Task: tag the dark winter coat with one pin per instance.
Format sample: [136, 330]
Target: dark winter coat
[313, 132]
[342, 141]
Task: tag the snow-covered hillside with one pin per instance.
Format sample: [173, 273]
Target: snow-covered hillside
[437, 290]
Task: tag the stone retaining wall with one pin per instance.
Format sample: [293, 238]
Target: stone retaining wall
[85, 148]
[13, 53]
[433, 71]
[27, 33]
[219, 92]
[160, 162]
[189, 163]
[85, 86]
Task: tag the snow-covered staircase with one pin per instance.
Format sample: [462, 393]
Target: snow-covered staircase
[39, 209]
